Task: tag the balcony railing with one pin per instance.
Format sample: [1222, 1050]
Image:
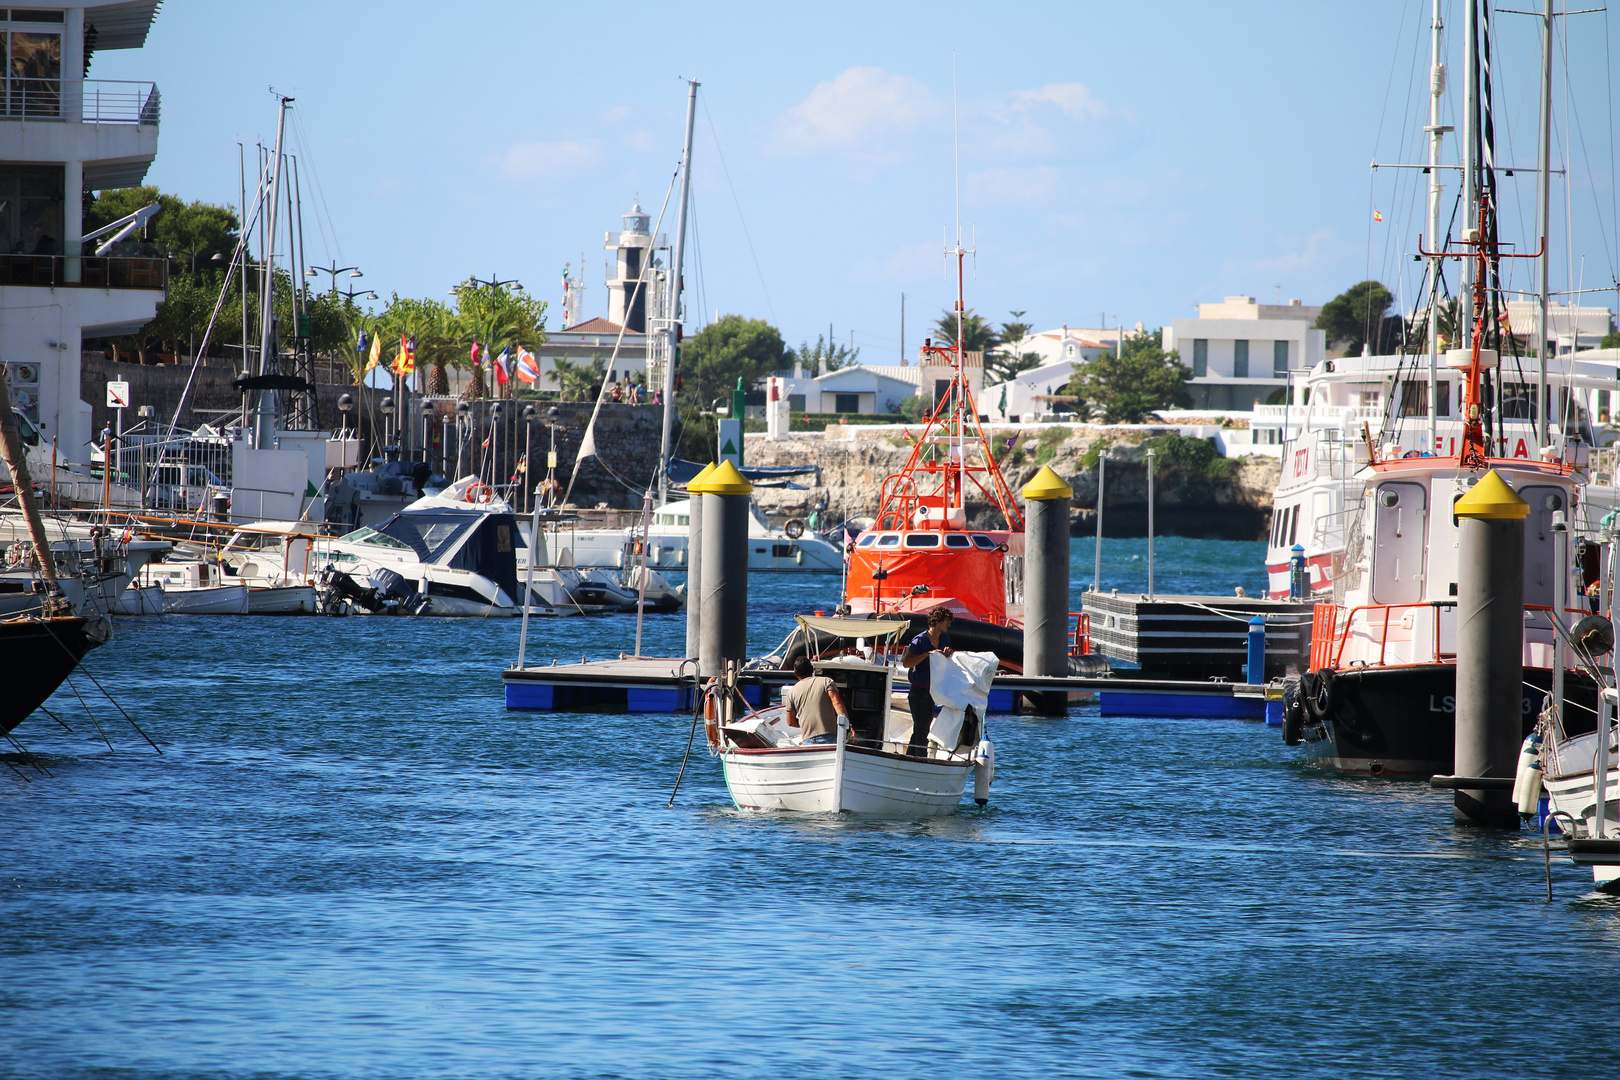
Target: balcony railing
[95, 101]
[94, 273]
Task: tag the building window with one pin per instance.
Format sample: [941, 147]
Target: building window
[849, 403]
[1240, 359]
[795, 403]
[33, 71]
[1200, 357]
[1279, 358]
[31, 206]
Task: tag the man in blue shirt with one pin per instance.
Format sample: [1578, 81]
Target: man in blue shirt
[915, 660]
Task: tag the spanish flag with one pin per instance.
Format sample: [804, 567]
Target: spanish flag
[405, 359]
[1378, 215]
[376, 353]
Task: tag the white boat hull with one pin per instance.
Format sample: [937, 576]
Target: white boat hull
[281, 600]
[875, 782]
[214, 600]
[1573, 793]
[140, 600]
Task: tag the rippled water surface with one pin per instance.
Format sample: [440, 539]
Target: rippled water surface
[351, 861]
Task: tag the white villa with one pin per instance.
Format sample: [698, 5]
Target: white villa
[1241, 351]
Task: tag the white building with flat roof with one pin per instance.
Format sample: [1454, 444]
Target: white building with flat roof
[63, 135]
[1241, 352]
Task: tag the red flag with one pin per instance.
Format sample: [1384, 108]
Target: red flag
[477, 351]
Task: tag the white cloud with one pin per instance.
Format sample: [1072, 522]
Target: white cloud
[546, 160]
[861, 111]
[1074, 99]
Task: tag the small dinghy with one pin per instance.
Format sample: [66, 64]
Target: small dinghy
[867, 770]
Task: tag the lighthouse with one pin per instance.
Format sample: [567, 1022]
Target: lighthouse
[633, 249]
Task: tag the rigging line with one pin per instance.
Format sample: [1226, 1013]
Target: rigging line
[1389, 85]
[1586, 157]
[715, 135]
[320, 192]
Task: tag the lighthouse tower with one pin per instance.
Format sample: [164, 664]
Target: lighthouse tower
[634, 247]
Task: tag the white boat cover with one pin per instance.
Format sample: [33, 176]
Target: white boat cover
[957, 681]
[851, 628]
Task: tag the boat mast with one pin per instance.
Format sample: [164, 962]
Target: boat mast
[673, 294]
[1470, 138]
[1437, 87]
[264, 407]
[955, 493]
[1544, 183]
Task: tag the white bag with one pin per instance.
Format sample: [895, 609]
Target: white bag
[957, 681]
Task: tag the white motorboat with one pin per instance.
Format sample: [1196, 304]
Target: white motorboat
[448, 554]
[195, 588]
[867, 771]
[95, 564]
[788, 549]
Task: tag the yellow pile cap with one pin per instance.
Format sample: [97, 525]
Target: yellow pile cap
[1491, 498]
[1047, 484]
[695, 485]
[725, 480]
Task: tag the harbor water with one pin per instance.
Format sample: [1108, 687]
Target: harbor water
[352, 861]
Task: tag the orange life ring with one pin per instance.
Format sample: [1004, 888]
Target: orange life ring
[480, 493]
[793, 529]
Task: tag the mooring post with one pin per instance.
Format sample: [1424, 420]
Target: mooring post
[1299, 580]
[1255, 669]
[1490, 647]
[723, 634]
[1150, 522]
[694, 562]
[1046, 584]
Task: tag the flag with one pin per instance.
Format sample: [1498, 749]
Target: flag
[528, 368]
[503, 374]
[477, 351]
[405, 359]
[1378, 215]
[376, 353]
[360, 346]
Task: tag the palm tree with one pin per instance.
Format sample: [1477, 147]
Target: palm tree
[980, 336]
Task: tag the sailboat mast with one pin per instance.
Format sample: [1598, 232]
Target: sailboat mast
[264, 409]
[1544, 194]
[1437, 88]
[673, 294]
[1470, 141]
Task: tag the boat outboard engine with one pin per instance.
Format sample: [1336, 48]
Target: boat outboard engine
[395, 593]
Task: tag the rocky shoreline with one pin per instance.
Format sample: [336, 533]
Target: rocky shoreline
[1197, 493]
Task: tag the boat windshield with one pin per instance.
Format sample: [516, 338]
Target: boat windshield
[429, 535]
[368, 535]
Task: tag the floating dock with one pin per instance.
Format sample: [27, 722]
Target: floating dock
[1198, 637]
[653, 685]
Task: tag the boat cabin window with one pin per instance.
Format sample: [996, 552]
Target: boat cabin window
[889, 540]
[957, 540]
[1415, 397]
[1400, 542]
[429, 535]
[867, 541]
[983, 542]
[922, 540]
[368, 535]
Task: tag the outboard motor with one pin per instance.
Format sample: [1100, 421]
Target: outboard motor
[395, 593]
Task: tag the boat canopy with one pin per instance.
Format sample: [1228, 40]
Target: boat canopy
[851, 628]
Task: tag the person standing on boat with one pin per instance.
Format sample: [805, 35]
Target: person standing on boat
[813, 705]
[915, 660]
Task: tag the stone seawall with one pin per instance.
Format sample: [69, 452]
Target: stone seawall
[1222, 498]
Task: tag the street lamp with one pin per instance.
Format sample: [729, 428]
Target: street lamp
[388, 424]
[427, 429]
[345, 406]
[315, 271]
[463, 411]
[494, 282]
[528, 451]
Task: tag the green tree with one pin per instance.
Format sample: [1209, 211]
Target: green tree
[1130, 388]
[811, 356]
[496, 317]
[574, 381]
[1356, 317]
[980, 335]
[1006, 362]
[192, 232]
[729, 349]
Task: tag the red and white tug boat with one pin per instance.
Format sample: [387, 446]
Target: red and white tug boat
[1381, 692]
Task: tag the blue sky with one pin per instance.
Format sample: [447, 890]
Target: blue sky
[1120, 159]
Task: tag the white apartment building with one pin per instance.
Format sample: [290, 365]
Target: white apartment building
[1241, 352]
[62, 135]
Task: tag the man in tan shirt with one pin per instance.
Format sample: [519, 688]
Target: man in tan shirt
[813, 705]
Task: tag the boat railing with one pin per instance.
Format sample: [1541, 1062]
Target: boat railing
[1080, 636]
[1334, 626]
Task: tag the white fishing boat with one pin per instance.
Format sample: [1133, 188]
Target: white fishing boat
[867, 770]
[96, 564]
[195, 588]
[282, 600]
[140, 599]
[771, 549]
